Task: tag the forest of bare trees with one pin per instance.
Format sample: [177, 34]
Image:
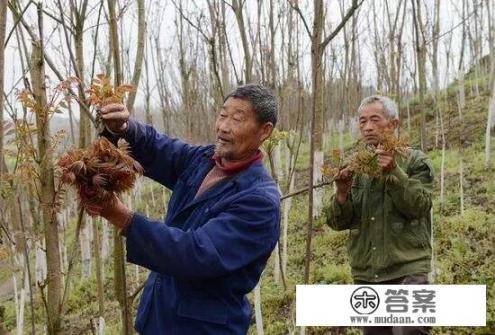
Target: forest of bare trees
[63, 272]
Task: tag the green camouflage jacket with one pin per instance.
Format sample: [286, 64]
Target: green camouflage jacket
[388, 220]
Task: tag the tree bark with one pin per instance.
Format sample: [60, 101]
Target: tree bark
[99, 271]
[3, 23]
[491, 112]
[237, 6]
[257, 309]
[420, 48]
[138, 65]
[47, 187]
[120, 282]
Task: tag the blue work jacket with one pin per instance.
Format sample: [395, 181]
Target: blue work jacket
[210, 251]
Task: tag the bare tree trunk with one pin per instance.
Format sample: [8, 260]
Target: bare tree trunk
[85, 241]
[99, 273]
[285, 224]
[434, 59]
[491, 41]
[3, 23]
[28, 279]
[19, 301]
[460, 106]
[138, 65]
[120, 282]
[442, 164]
[274, 160]
[147, 94]
[257, 309]
[237, 6]
[47, 187]
[420, 48]
[18, 248]
[491, 113]
[461, 184]
[185, 74]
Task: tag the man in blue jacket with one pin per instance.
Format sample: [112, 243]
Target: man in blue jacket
[222, 221]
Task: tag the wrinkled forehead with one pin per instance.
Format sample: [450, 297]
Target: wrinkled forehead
[375, 108]
[237, 105]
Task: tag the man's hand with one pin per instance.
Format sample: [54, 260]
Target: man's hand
[386, 160]
[115, 117]
[343, 183]
[114, 211]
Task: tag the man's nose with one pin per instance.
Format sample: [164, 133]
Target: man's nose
[224, 125]
[367, 127]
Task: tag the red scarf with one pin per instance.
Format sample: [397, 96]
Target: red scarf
[235, 167]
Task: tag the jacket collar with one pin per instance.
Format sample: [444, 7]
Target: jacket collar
[241, 180]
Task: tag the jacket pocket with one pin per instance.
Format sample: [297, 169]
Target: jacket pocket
[203, 309]
[408, 234]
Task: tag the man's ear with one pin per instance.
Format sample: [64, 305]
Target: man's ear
[266, 131]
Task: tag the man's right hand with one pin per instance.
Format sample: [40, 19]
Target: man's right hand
[343, 183]
[115, 117]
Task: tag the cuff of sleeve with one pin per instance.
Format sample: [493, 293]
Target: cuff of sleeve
[397, 177]
[133, 234]
[123, 230]
[120, 133]
[130, 132]
[131, 127]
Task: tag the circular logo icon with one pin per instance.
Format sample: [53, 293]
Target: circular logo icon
[364, 300]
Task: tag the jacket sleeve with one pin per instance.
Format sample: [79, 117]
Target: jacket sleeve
[163, 158]
[339, 216]
[246, 230]
[412, 194]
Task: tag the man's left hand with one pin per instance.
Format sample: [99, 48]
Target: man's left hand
[114, 211]
[386, 160]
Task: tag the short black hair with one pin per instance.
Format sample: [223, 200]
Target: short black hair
[261, 98]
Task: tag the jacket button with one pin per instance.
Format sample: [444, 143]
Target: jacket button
[372, 218]
[376, 276]
[374, 248]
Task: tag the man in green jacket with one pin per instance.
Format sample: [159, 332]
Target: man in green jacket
[388, 218]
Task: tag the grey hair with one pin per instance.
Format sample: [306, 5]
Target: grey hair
[261, 98]
[389, 106]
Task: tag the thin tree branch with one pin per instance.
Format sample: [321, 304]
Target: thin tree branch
[16, 22]
[298, 10]
[304, 190]
[348, 15]
[56, 19]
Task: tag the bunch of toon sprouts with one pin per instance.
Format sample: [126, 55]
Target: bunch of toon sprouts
[103, 170]
[362, 159]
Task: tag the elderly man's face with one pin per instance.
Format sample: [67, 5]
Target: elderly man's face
[238, 132]
[373, 123]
